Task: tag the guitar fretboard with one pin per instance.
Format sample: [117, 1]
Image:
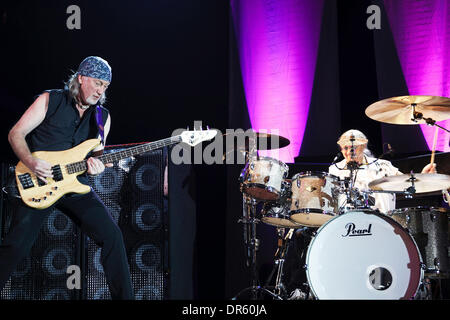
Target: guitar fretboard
[130, 152]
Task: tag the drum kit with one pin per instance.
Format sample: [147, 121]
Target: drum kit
[355, 252]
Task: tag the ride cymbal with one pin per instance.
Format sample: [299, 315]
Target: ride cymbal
[410, 109]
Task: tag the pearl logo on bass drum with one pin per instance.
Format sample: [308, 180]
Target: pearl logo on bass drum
[353, 232]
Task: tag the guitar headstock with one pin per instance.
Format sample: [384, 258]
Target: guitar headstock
[194, 137]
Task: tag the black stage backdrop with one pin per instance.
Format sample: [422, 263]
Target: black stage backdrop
[170, 68]
[175, 62]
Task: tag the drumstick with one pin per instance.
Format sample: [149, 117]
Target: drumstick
[434, 145]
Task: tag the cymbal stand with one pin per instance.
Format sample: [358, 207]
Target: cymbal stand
[419, 116]
[249, 220]
[283, 244]
[252, 244]
[412, 189]
[280, 254]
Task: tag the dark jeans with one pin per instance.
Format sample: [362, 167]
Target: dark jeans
[91, 216]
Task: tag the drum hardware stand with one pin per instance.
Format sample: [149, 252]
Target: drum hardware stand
[430, 289]
[353, 167]
[252, 244]
[351, 192]
[411, 190]
[419, 116]
[283, 245]
[446, 196]
[366, 196]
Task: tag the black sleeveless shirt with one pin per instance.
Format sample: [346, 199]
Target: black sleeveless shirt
[62, 127]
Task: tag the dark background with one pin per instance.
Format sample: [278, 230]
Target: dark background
[175, 62]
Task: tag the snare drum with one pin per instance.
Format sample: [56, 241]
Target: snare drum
[363, 255]
[314, 198]
[429, 227]
[262, 178]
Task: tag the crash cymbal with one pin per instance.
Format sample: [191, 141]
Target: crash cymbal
[271, 141]
[423, 182]
[400, 110]
[261, 140]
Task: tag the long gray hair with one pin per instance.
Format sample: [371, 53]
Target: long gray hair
[73, 85]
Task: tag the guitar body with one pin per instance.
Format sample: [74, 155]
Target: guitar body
[40, 196]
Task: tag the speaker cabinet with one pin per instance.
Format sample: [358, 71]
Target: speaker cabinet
[132, 191]
[42, 275]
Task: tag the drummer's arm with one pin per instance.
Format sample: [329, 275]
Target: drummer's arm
[429, 168]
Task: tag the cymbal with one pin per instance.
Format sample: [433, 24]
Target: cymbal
[271, 141]
[399, 110]
[261, 140]
[423, 182]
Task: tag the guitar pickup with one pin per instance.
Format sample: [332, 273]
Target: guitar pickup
[57, 173]
[26, 181]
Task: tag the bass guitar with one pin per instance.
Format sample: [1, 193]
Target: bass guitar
[68, 164]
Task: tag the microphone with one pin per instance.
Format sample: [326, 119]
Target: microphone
[390, 150]
[339, 156]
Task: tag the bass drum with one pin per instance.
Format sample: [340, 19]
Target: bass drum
[363, 254]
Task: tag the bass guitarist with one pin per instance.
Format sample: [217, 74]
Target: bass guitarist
[59, 120]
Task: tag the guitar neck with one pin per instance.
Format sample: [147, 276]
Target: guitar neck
[130, 152]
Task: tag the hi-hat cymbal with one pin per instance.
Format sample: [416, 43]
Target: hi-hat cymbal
[399, 110]
[423, 182]
[260, 140]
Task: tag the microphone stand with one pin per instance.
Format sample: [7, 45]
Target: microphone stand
[353, 167]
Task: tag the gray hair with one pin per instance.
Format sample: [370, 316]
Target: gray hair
[73, 85]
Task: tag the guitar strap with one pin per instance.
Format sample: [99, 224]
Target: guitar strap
[99, 118]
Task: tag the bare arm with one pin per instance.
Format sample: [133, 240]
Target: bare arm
[32, 117]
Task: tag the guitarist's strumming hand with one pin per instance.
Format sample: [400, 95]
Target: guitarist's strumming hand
[41, 168]
[95, 166]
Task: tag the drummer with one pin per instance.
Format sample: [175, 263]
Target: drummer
[369, 169]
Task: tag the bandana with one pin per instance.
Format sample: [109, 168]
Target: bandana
[95, 67]
[357, 136]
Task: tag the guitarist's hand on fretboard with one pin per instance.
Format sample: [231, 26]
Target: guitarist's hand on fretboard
[95, 166]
